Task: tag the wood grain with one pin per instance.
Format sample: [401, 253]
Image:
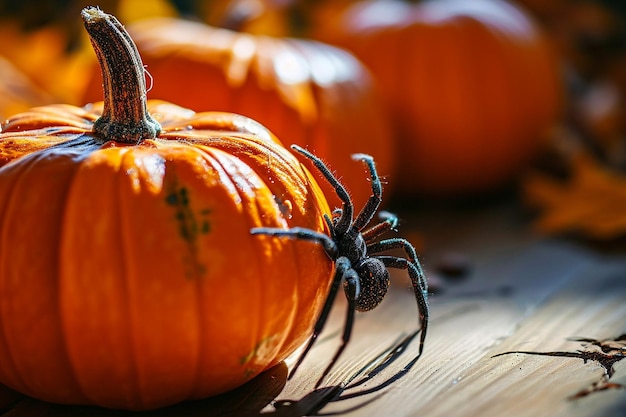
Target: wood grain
[526, 294]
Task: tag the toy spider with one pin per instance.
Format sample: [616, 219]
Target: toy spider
[358, 266]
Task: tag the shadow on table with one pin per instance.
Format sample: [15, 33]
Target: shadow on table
[246, 401]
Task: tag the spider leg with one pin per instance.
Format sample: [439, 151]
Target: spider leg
[388, 217]
[409, 250]
[300, 233]
[421, 294]
[389, 222]
[350, 278]
[367, 212]
[342, 266]
[331, 228]
[344, 221]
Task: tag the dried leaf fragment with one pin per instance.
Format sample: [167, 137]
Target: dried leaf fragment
[591, 203]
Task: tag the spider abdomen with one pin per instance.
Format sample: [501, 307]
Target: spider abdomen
[374, 280]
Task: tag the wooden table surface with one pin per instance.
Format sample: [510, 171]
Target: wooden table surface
[561, 302]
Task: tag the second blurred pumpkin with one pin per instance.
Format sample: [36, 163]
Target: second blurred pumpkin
[17, 92]
[473, 85]
[306, 92]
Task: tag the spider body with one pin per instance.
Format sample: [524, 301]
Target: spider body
[355, 249]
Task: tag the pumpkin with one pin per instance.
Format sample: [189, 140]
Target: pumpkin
[43, 47]
[17, 92]
[250, 16]
[128, 274]
[305, 92]
[474, 86]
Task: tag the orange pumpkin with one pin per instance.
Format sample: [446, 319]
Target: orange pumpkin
[128, 274]
[43, 55]
[264, 17]
[307, 93]
[17, 92]
[474, 86]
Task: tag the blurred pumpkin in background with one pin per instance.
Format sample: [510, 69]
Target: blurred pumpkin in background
[261, 17]
[45, 43]
[306, 92]
[474, 86]
[44, 56]
[17, 92]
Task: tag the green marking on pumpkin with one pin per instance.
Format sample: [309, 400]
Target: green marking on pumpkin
[260, 348]
[250, 372]
[191, 226]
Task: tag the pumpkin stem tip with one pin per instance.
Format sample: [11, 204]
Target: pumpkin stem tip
[91, 13]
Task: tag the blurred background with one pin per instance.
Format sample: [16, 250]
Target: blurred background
[477, 99]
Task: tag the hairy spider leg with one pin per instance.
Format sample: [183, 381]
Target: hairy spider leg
[343, 222]
[371, 206]
[389, 222]
[369, 209]
[302, 233]
[416, 273]
[321, 322]
[331, 227]
[421, 294]
[409, 250]
[388, 217]
[346, 274]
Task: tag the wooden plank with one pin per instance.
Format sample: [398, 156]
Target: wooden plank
[467, 325]
[592, 306]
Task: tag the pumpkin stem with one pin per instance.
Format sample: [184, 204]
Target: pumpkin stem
[125, 116]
